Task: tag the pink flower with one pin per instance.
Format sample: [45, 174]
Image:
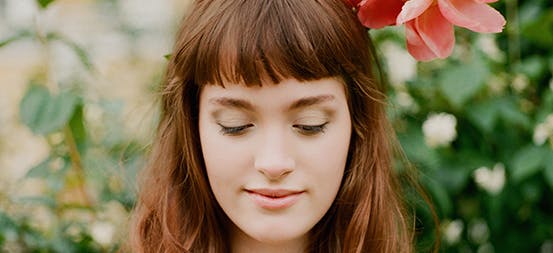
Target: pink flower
[429, 23]
[377, 13]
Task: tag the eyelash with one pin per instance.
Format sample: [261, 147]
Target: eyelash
[308, 130]
[238, 130]
[311, 129]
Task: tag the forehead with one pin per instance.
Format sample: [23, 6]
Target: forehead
[286, 93]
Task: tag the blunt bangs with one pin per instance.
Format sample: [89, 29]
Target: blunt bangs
[259, 42]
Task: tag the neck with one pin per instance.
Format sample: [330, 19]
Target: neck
[242, 243]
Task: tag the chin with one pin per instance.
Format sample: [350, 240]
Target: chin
[277, 235]
[275, 238]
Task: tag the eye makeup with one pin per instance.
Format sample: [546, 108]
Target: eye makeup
[234, 130]
[232, 123]
[306, 121]
[310, 130]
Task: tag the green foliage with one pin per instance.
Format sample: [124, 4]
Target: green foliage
[43, 112]
[44, 3]
[494, 178]
[540, 29]
[460, 83]
[528, 161]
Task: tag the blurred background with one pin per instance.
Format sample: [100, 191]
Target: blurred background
[78, 109]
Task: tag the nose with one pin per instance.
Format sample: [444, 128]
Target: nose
[274, 159]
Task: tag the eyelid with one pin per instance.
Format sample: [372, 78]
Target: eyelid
[310, 130]
[234, 130]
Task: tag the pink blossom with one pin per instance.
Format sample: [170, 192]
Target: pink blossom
[429, 23]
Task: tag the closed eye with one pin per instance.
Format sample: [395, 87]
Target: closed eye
[310, 129]
[234, 130]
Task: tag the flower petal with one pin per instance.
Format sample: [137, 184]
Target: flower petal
[436, 32]
[378, 14]
[415, 44]
[475, 15]
[412, 9]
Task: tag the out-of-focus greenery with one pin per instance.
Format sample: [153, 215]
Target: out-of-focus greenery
[493, 183]
[491, 180]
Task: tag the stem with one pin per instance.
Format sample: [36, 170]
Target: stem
[75, 157]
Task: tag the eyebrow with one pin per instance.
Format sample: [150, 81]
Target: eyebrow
[243, 104]
[233, 103]
[309, 101]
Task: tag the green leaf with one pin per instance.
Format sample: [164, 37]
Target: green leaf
[546, 106]
[78, 128]
[527, 162]
[540, 31]
[439, 195]
[459, 84]
[44, 113]
[32, 103]
[484, 114]
[533, 67]
[6, 222]
[453, 178]
[44, 3]
[511, 113]
[416, 150]
[83, 56]
[167, 56]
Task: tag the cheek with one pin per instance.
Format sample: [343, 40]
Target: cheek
[326, 159]
[330, 152]
[223, 160]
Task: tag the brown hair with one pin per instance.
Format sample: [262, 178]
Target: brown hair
[265, 42]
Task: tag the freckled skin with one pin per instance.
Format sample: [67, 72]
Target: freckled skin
[251, 138]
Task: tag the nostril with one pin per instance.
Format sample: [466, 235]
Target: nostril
[274, 173]
[274, 167]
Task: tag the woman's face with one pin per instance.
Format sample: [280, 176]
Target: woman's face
[275, 155]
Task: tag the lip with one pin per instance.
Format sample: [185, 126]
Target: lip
[274, 199]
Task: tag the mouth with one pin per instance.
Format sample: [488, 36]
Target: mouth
[274, 199]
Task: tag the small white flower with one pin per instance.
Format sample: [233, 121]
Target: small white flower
[453, 231]
[520, 82]
[115, 213]
[102, 232]
[492, 181]
[401, 65]
[478, 231]
[405, 100]
[439, 129]
[543, 131]
[547, 247]
[488, 45]
[486, 248]
[497, 84]
[549, 121]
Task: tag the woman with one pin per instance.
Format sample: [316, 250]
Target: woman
[273, 137]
